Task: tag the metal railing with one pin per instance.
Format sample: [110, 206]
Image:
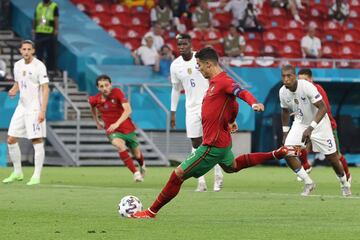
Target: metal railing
[146, 87]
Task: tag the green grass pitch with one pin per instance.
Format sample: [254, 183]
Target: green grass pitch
[257, 203]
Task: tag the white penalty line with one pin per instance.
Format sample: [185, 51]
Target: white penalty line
[224, 192]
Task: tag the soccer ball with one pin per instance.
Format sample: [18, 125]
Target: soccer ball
[129, 205]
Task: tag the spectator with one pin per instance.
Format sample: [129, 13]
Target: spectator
[311, 45]
[237, 8]
[339, 11]
[178, 7]
[293, 5]
[162, 14]
[46, 27]
[202, 16]
[155, 33]
[166, 58]
[137, 3]
[147, 55]
[249, 22]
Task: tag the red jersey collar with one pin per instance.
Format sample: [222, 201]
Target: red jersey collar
[218, 77]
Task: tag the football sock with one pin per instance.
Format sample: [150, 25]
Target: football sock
[342, 179]
[170, 190]
[304, 159]
[15, 156]
[345, 166]
[252, 159]
[128, 161]
[218, 172]
[140, 160]
[301, 173]
[201, 179]
[39, 156]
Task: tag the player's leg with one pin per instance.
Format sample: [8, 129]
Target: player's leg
[197, 164]
[119, 143]
[342, 158]
[323, 141]
[304, 158]
[201, 187]
[133, 144]
[294, 139]
[39, 157]
[17, 129]
[219, 178]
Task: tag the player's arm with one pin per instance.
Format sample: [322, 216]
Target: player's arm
[45, 99]
[233, 127]
[127, 111]
[175, 95]
[13, 90]
[95, 116]
[285, 117]
[322, 110]
[244, 95]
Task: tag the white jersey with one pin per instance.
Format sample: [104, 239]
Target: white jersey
[187, 74]
[301, 102]
[30, 77]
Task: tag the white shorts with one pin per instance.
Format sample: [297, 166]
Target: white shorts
[322, 137]
[25, 125]
[193, 125]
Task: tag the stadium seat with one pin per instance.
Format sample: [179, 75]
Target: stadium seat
[140, 10]
[253, 49]
[197, 44]
[117, 31]
[130, 34]
[350, 36]
[275, 22]
[196, 35]
[306, 64]
[100, 8]
[223, 19]
[120, 19]
[273, 37]
[277, 12]
[325, 64]
[318, 24]
[292, 24]
[330, 50]
[352, 24]
[354, 12]
[132, 43]
[349, 51]
[250, 36]
[219, 49]
[354, 3]
[269, 50]
[169, 35]
[212, 35]
[119, 8]
[290, 50]
[101, 18]
[318, 11]
[143, 21]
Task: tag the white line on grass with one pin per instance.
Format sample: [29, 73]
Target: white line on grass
[185, 190]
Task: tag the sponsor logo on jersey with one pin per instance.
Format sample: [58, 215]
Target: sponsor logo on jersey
[189, 70]
[303, 98]
[211, 90]
[317, 96]
[113, 101]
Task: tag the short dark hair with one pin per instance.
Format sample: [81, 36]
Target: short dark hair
[289, 67]
[207, 54]
[305, 71]
[102, 77]
[27, 41]
[183, 36]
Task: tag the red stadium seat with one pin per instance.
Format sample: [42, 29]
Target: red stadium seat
[222, 20]
[325, 64]
[197, 44]
[140, 21]
[130, 34]
[354, 3]
[344, 64]
[269, 50]
[273, 37]
[140, 10]
[349, 51]
[119, 8]
[219, 49]
[120, 19]
[117, 31]
[318, 11]
[306, 64]
[212, 35]
[278, 12]
[100, 8]
[330, 50]
[196, 34]
[350, 36]
[292, 24]
[275, 22]
[132, 44]
[354, 13]
[318, 24]
[103, 19]
[253, 49]
[169, 35]
[250, 36]
[290, 50]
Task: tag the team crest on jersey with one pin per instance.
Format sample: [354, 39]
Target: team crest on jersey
[296, 101]
[24, 73]
[189, 71]
[113, 101]
[106, 106]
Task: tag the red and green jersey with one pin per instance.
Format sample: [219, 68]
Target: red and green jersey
[110, 109]
[219, 108]
[327, 103]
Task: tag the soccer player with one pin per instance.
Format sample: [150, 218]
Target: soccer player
[186, 75]
[28, 120]
[307, 75]
[218, 112]
[311, 123]
[115, 112]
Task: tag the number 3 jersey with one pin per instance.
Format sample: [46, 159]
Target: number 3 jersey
[301, 102]
[187, 75]
[29, 77]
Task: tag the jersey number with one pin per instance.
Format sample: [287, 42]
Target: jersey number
[23, 84]
[329, 143]
[36, 127]
[192, 82]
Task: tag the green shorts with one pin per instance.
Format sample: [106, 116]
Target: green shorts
[204, 159]
[130, 139]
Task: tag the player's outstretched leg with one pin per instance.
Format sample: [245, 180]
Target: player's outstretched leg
[346, 168]
[304, 162]
[340, 173]
[170, 191]
[15, 156]
[219, 178]
[39, 156]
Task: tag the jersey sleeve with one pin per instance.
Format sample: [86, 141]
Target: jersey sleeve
[16, 75]
[42, 74]
[120, 95]
[92, 101]
[312, 93]
[282, 99]
[234, 88]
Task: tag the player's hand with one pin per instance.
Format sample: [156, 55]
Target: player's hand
[306, 135]
[12, 93]
[258, 107]
[233, 127]
[112, 127]
[173, 120]
[41, 117]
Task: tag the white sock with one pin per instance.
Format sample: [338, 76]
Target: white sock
[218, 172]
[343, 180]
[201, 179]
[38, 159]
[304, 176]
[15, 156]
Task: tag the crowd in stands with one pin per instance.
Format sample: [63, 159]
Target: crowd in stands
[235, 28]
